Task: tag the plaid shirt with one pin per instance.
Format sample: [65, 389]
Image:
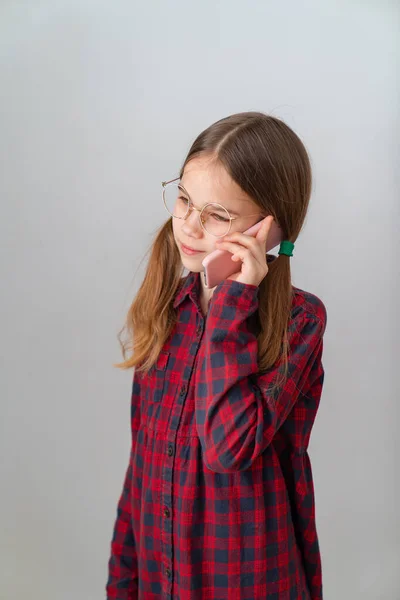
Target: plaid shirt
[218, 499]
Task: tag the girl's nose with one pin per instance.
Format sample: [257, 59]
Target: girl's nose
[192, 222]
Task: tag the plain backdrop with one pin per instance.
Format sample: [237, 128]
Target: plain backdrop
[99, 103]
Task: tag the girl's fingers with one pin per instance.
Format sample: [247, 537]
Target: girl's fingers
[263, 232]
[249, 246]
[248, 241]
[231, 247]
[254, 265]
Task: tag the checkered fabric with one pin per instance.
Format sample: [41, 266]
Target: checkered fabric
[218, 497]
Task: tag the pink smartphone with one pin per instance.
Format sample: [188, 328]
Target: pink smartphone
[218, 265]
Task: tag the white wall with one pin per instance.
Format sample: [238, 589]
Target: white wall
[99, 102]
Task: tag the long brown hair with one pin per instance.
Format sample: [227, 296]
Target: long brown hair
[269, 162]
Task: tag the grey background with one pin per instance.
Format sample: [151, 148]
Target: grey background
[99, 102]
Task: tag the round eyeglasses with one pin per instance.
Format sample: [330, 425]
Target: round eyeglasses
[214, 218]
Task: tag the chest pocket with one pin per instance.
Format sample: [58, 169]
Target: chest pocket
[154, 388]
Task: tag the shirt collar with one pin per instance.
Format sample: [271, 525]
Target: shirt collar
[190, 286]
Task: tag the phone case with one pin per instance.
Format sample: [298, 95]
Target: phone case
[218, 265]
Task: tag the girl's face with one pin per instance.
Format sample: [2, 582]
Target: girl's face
[205, 182]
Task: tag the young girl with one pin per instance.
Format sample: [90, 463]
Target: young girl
[218, 499]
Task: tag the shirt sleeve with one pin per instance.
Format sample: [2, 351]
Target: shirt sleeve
[237, 415]
[122, 582]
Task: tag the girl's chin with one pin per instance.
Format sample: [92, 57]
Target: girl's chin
[192, 265]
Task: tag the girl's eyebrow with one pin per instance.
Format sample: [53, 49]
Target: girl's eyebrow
[231, 212]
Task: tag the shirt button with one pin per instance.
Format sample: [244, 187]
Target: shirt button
[199, 330]
[168, 572]
[183, 390]
[166, 512]
[170, 451]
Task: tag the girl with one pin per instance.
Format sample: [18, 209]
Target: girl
[218, 499]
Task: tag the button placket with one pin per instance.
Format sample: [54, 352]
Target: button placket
[171, 449]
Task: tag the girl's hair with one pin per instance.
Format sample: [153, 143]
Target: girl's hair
[270, 163]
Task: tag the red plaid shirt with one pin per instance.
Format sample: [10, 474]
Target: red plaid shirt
[218, 499]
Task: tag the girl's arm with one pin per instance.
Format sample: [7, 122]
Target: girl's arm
[236, 415]
[122, 583]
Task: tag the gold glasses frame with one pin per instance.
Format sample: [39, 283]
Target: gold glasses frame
[191, 206]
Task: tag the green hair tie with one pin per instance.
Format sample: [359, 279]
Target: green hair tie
[286, 248]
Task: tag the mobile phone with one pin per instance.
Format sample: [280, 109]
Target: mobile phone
[218, 265]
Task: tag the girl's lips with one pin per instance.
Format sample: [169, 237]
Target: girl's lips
[189, 251]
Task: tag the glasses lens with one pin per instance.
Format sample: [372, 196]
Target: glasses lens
[216, 219]
[176, 200]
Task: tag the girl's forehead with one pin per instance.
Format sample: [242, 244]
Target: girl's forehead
[202, 172]
[202, 178]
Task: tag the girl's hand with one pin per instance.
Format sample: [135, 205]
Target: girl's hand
[251, 251]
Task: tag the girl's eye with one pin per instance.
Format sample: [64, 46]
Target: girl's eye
[184, 200]
[219, 218]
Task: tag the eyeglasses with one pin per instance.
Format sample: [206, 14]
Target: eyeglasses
[214, 218]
